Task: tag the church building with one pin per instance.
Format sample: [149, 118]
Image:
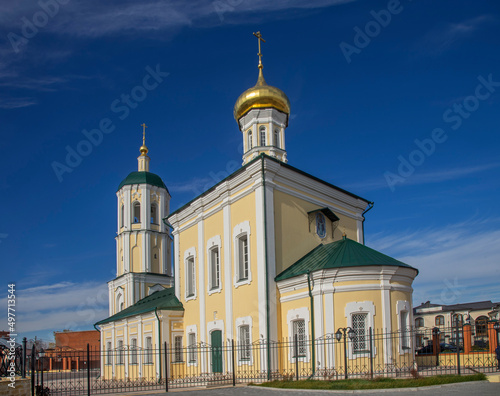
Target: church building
[269, 254]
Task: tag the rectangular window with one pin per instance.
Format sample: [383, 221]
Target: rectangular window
[109, 359]
[190, 281]
[359, 326]
[178, 349]
[299, 333]
[214, 268]
[245, 351]
[405, 341]
[133, 351]
[120, 359]
[149, 351]
[243, 258]
[192, 347]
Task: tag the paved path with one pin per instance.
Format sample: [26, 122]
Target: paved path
[482, 388]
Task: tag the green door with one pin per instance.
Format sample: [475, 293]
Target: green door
[216, 342]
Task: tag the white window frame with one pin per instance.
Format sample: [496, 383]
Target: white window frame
[238, 231]
[120, 353]
[276, 136]
[154, 220]
[214, 243]
[148, 349]
[190, 253]
[133, 351]
[133, 212]
[178, 349]
[262, 131]
[404, 307]
[119, 299]
[109, 353]
[122, 215]
[293, 315]
[192, 329]
[244, 321]
[360, 307]
[249, 140]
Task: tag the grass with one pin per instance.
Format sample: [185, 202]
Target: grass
[376, 383]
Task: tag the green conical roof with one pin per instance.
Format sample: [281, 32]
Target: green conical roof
[143, 178]
[339, 254]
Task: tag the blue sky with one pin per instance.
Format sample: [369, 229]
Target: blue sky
[404, 113]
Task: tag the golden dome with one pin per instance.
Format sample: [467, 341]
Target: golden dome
[261, 96]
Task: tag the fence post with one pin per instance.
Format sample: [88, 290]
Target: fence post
[457, 342]
[371, 353]
[234, 367]
[23, 375]
[33, 370]
[166, 368]
[296, 357]
[88, 369]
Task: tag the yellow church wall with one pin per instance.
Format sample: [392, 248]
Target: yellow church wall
[341, 299]
[136, 256]
[215, 302]
[291, 219]
[316, 198]
[241, 211]
[359, 282]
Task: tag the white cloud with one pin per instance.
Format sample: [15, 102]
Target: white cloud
[418, 178]
[59, 306]
[457, 262]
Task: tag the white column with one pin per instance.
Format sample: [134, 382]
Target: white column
[228, 280]
[318, 325]
[128, 209]
[177, 257]
[140, 346]
[271, 262]
[386, 317]
[111, 292]
[330, 328]
[146, 243]
[261, 263]
[359, 228]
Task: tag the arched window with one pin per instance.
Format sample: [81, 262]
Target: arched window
[439, 321]
[154, 214]
[249, 140]
[419, 322]
[277, 138]
[481, 326]
[122, 216]
[119, 302]
[137, 212]
[457, 318]
[262, 136]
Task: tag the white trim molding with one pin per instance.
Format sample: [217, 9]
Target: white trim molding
[291, 316]
[356, 307]
[238, 231]
[214, 242]
[404, 306]
[190, 253]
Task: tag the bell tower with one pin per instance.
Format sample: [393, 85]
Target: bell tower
[262, 114]
[143, 240]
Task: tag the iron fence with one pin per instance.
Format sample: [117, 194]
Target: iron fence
[348, 354]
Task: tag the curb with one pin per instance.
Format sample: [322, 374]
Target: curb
[368, 391]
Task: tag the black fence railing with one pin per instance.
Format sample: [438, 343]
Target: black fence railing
[369, 354]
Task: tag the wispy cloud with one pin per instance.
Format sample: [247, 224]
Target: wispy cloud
[16, 103]
[457, 262]
[442, 38]
[196, 185]
[437, 176]
[59, 306]
[93, 18]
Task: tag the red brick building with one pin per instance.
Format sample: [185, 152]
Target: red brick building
[70, 352]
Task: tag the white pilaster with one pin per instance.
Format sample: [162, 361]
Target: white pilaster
[228, 293]
[177, 257]
[386, 317]
[261, 260]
